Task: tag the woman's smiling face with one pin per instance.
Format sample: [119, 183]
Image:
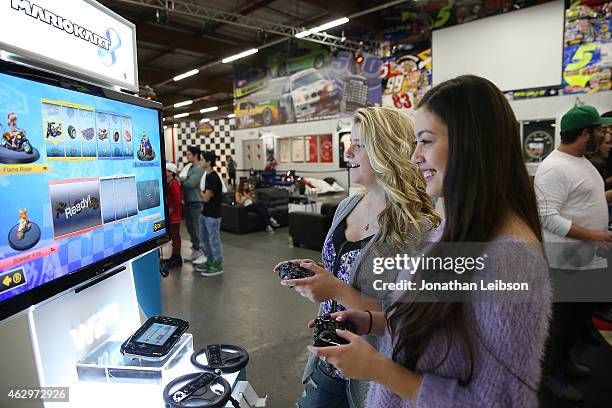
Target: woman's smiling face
[431, 153]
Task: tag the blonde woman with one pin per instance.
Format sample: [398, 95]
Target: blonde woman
[395, 211]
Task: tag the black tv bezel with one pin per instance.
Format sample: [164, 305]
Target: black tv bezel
[64, 283]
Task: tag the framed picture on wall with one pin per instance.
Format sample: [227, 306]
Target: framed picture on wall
[312, 149]
[284, 150]
[538, 140]
[326, 149]
[297, 149]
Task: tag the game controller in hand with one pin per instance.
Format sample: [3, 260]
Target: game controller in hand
[325, 331]
[290, 270]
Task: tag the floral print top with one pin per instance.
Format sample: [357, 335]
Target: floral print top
[339, 255]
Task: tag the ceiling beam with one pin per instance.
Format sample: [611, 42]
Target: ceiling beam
[155, 56]
[244, 10]
[172, 98]
[343, 8]
[194, 109]
[187, 41]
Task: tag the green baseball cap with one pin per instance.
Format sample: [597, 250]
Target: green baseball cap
[580, 117]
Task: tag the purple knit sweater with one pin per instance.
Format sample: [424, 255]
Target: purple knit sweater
[514, 333]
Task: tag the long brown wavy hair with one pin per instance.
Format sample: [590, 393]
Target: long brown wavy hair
[485, 182]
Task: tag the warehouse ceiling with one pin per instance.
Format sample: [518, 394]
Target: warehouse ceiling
[171, 41]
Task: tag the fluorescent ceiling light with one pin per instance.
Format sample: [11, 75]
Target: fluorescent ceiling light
[211, 109]
[165, 127]
[176, 125]
[231, 115]
[181, 115]
[186, 74]
[184, 103]
[205, 120]
[323, 27]
[241, 55]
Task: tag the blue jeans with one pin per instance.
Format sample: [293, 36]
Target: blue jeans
[193, 211]
[210, 238]
[324, 391]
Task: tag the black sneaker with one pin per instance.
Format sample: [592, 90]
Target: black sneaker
[175, 261]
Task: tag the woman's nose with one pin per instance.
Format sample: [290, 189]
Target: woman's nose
[349, 152]
[417, 155]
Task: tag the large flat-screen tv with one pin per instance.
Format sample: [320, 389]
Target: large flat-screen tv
[82, 181]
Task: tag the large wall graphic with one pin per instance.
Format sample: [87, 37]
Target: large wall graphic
[306, 82]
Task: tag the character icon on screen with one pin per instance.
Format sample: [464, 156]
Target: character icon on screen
[127, 135]
[25, 234]
[24, 224]
[145, 151]
[116, 136]
[15, 146]
[102, 134]
[54, 130]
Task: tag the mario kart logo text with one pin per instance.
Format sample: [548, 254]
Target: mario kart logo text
[56, 21]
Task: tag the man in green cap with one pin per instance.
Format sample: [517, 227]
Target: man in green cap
[573, 211]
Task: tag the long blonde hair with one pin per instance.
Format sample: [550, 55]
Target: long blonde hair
[388, 137]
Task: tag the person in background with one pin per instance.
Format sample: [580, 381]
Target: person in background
[467, 353]
[573, 209]
[245, 197]
[270, 161]
[210, 219]
[190, 177]
[231, 170]
[175, 209]
[599, 159]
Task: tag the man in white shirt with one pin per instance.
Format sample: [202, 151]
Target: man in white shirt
[574, 215]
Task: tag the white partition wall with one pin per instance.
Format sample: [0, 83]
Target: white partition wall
[517, 50]
[276, 133]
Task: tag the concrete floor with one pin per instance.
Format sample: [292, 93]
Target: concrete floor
[248, 307]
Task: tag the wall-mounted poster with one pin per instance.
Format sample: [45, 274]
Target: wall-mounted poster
[587, 56]
[538, 140]
[406, 79]
[326, 147]
[284, 149]
[297, 149]
[312, 149]
[305, 83]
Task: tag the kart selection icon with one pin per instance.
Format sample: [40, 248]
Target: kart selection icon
[72, 132]
[54, 129]
[102, 134]
[88, 133]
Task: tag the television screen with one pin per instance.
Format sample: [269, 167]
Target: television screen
[81, 181]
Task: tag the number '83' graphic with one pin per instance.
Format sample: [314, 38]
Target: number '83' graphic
[108, 57]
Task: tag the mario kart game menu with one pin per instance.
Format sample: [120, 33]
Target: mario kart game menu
[80, 178]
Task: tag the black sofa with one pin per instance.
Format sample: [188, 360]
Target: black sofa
[308, 229]
[237, 219]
